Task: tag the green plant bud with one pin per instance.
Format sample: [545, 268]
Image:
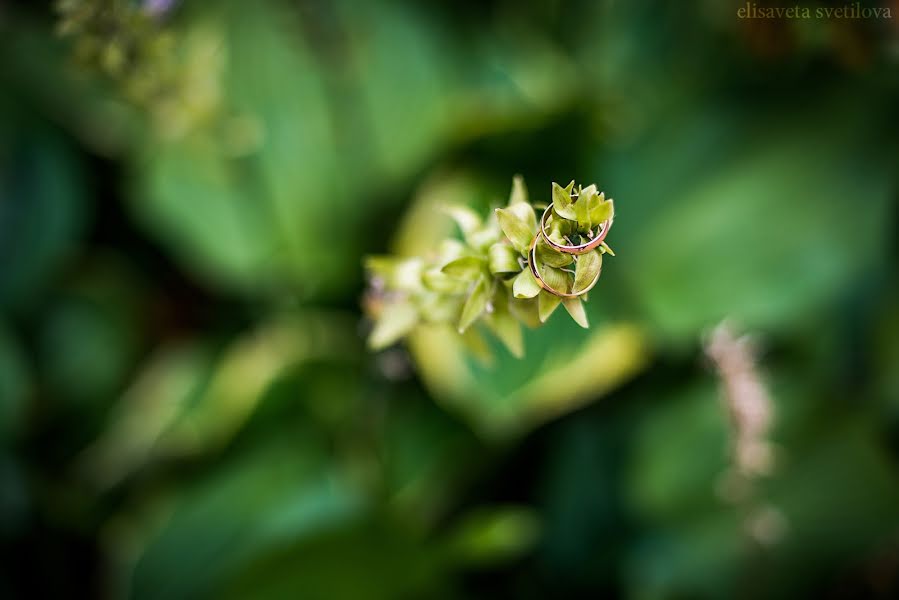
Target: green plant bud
[482, 239]
[486, 277]
[602, 211]
[439, 308]
[525, 286]
[403, 274]
[503, 258]
[504, 325]
[468, 220]
[558, 229]
[515, 229]
[519, 194]
[588, 266]
[547, 304]
[438, 281]
[556, 278]
[547, 255]
[450, 249]
[475, 305]
[581, 212]
[396, 320]
[113, 58]
[467, 268]
[476, 345]
[563, 205]
[575, 308]
[526, 310]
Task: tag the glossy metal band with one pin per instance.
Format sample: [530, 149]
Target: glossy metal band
[580, 248]
[532, 263]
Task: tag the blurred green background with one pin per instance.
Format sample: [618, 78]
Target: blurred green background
[187, 192]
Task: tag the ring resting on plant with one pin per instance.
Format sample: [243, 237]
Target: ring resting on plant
[535, 271]
[506, 270]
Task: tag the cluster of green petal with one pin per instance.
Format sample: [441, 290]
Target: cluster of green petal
[484, 277]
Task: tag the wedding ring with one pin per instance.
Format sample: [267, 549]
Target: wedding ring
[532, 264]
[592, 244]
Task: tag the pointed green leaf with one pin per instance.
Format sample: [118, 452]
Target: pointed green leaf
[526, 310]
[398, 273]
[589, 193]
[525, 286]
[467, 268]
[515, 229]
[482, 239]
[508, 331]
[506, 328]
[582, 215]
[602, 211]
[588, 266]
[450, 249]
[476, 345]
[475, 305]
[395, 321]
[562, 203]
[556, 278]
[440, 307]
[558, 229]
[519, 193]
[467, 219]
[575, 308]
[608, 250]
[503, 258]
[525, 212]
[438, 281]
[549, 256]
[547, 303]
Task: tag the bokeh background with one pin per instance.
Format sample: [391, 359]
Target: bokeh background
[187, 407]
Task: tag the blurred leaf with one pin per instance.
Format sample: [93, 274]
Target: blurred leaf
[476, 304]
[493, 535]
[515, 229]
[468, 220]
[438, 281]
[525, 286]
[14, 386]
[547, 304]
[780, 196]
[503, 258]
[372, 559]
[467, 268]
[42, 211]
[575, 308]
[395, 321]
[270, 498]
[526, 310]
[681, 450]
[504, 324]
[519, 194]
[185, 403]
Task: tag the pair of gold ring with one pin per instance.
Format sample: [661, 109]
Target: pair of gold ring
[574, 250]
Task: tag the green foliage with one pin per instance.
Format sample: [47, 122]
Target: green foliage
[188, 407]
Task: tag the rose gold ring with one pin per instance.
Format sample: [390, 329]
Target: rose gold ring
[593, 244]
[532, 264]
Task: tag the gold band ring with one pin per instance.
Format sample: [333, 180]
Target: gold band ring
[593, 244]
[532, 264]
